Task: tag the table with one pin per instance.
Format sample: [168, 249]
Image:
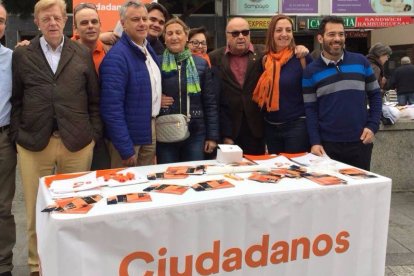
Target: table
[294, 227]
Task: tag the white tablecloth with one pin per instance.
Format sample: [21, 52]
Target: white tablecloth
[294, 227]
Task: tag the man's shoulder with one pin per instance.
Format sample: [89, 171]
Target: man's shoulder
[217, 52]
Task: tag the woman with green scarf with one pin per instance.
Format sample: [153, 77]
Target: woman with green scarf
[186, 75]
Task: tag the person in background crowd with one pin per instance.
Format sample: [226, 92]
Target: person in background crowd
[283, 108]
[87, 27]
[402, 81]
[239, 68]
[131, 91]
[55, 108]
[184, 74]
[7, 157]
[197, 43]
[336, 88]
[158, 15]
[378, 55]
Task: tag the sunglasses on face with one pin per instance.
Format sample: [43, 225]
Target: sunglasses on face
[82, 6]
[237, 33]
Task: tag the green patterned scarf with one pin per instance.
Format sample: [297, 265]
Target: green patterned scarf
[169, 63]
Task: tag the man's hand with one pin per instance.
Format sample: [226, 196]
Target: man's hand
[367, 136]
[166, 101]
[228, 141]
[22, 43]
[109, 38]
[130, 162]
[209, 146]
[301, 51]
[318, 150]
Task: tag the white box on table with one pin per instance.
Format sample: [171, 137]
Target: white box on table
[229, 154]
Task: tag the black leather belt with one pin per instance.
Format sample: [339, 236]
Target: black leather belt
[3, 128]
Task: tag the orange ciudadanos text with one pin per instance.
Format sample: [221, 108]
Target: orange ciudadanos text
[232, 259]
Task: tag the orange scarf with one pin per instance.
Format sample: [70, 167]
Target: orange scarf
[266, 92]
[204, 56]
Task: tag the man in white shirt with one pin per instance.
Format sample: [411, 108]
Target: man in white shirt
[131, 91]
[7, 157]
[55, 108]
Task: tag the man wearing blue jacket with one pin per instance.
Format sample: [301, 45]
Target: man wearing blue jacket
[131, 91]
[336, 88]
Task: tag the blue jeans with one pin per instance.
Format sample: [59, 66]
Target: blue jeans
[191, 149]
[289, 137]
[405, 99]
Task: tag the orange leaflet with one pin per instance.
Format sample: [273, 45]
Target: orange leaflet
[167, 188]
[212, 185]
[265, 177]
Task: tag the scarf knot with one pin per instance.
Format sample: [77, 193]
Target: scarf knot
[169, 64]
[266, 93]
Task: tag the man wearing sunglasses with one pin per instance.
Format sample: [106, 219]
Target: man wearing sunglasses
[239, 68]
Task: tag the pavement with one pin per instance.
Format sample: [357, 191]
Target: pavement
[400, 247]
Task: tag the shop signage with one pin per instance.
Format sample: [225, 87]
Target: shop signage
[313, 23]
[370, 22]
[254, 7]
[262, 23]
[303, 6]
[373, 7]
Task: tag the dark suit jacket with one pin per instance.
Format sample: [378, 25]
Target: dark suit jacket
[240, 98]
[40, 98]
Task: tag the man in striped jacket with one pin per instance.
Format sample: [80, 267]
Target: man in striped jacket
[336, 88]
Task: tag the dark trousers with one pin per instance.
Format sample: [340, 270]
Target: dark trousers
[248, 142]
[191, 149]
[289, 137]
[353, 153]
[7, 188]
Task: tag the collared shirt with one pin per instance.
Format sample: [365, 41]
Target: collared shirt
[155, 77]
[329, 61]
[238, 64]
[52, 56]
[98, 54]
[5, 84]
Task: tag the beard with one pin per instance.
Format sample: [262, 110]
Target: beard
[330, 50]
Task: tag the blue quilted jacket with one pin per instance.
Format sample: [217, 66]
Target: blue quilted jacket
[126, 100]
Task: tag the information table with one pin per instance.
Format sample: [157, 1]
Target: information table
[293, 228]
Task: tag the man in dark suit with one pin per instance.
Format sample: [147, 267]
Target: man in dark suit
[239, 67]
[55, 108]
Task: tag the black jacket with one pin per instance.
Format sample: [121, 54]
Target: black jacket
[203, 106]
[402, 79]
[240, 98]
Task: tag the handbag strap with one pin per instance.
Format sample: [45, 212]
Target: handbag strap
[188, 108]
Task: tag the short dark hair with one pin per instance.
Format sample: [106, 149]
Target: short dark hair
[199, 30]
[161, 8]
[329, 19]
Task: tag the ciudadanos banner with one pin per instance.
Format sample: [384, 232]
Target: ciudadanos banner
[108, 11]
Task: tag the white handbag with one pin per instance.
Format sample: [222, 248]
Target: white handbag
[173, 127]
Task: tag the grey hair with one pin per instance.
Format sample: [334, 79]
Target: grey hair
[130, 3]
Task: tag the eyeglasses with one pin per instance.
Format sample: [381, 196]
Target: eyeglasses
[237, 33]
[197, 43]
[82, 6]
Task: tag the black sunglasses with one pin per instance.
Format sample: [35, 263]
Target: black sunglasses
[237, 33]
[82, 6]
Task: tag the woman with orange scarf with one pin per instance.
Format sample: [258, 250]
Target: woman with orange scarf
[279, 90]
